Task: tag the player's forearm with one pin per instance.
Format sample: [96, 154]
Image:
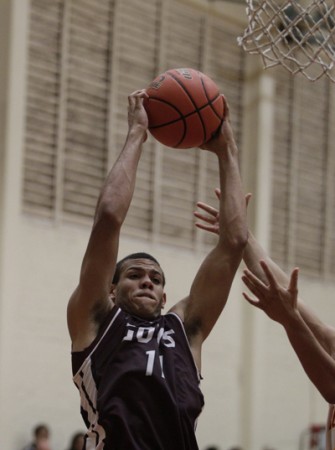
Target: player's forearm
[118, 188]
[317, 363]
[322, 332]
[252, 256]
[232, 217]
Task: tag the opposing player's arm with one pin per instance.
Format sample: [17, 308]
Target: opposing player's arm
[211, 286]
[90, 300]
[323, 332]
[254, 253]
[280, 303]
[209, 220]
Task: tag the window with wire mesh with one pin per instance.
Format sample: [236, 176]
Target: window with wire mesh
[303, 174]
[84, 59]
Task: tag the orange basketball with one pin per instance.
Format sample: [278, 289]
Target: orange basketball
[184, 107]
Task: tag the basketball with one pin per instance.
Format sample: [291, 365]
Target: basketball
[184, 107]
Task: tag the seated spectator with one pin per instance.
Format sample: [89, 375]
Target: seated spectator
[77, 441]
[41, 438]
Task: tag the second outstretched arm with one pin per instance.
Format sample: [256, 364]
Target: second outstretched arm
[280, 303]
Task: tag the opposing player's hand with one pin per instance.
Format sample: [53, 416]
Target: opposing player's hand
[224, 137]
[277, 301]
[210, 220]
[137, 116]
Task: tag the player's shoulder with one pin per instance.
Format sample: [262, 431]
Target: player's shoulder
[172, 316]
[179, 309]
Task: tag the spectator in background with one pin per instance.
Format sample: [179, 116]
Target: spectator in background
[77, 441]
[41, 438]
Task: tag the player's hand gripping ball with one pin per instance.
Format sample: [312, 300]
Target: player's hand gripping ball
[185, 108]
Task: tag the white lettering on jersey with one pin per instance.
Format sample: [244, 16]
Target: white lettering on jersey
[150, 363]
[146, 334]
[167, 339]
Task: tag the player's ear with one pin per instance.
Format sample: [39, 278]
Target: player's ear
[112, 292]
[163, 300]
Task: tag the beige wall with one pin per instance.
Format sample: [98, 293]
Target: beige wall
[256, 393]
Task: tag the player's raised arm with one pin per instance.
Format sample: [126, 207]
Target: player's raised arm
[211, 286]
[90, 299]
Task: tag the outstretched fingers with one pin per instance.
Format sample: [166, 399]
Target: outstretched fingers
[269, 275]
[247, 198]
[210, 220]
[211, 228]
[253, 283]
[293, 285]
[209, 209]
[252, 301]
[276, 300]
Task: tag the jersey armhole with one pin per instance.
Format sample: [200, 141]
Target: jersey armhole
[78, 358]
[200, 377]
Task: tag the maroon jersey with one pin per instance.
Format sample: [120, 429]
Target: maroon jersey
[139, 386]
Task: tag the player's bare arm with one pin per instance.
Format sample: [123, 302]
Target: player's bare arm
[253, 254]
[91, 300]
[280, 303]
[211, 286]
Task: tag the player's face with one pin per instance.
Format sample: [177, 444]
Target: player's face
[140, 289]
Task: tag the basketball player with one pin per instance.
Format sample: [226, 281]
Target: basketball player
[137, 370]
[277, 295]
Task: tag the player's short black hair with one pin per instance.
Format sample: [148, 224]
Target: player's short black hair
[39, 428]
[139, 255]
